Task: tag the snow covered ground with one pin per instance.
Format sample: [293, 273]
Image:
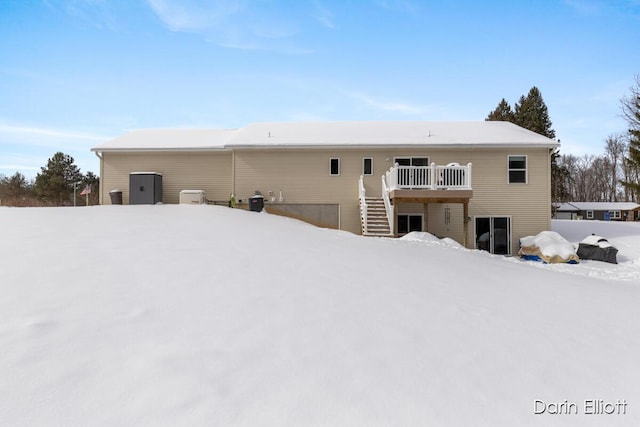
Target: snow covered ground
[204, 315]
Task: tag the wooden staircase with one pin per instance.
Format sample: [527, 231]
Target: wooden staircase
[377, 220]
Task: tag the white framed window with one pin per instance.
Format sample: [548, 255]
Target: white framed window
[367, 166]
[589, 214]
[517, 166]
[334, 166]
[411, 161]
[614, 214]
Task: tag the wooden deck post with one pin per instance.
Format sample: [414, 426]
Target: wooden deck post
[395, 219]
[425, 212]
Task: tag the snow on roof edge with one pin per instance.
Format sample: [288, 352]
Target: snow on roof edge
[445, 134]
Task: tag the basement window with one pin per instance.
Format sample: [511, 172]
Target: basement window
[334, 166]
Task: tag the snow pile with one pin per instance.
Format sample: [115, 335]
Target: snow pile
[594, 240]
[549, 247]
[203, 315]
[424, 237]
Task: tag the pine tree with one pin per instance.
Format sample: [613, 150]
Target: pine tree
[503, 112]
[560, 179]
[531, 113]
[55, 181]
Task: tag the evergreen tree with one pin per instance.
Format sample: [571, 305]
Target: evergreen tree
[560, 180]
[91, 179]
[631, 112]
[503, 112]
[55, 181]
[531, 113]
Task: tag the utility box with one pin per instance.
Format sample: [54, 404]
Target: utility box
[145, 188]
[192, 197]
[256, 203]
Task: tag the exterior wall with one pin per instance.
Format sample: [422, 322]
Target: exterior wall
[303, 177]
[528, 204]
[208, 171]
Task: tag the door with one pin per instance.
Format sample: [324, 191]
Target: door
[493, 234]
[409, 223]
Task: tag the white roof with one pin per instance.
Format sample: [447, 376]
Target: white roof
[598, 206]
[168, 139]
[323, 134]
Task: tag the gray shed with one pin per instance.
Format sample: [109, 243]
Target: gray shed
[145, 188]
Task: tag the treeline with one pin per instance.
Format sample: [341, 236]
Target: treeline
[601, 178]
[59, 183]
[613, 176]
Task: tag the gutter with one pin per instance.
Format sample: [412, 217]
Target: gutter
[99, 155]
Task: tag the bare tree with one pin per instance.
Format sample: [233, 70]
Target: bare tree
[615, 149]
[630, 105]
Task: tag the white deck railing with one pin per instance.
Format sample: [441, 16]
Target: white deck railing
[362, 193]
[387, 204]
[433, 177]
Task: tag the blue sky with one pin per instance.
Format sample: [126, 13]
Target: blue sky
[74, 73]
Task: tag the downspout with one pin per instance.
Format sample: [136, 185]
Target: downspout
[233, 172]
[98, 155]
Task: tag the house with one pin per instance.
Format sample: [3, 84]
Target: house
[603, 211]
[484, 184]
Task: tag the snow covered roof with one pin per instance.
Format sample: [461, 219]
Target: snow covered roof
[323, 134]
[168, 139]
[597, 206]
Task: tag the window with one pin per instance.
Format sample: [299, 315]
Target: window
[614, 214]
[517, 169]
[334, 166]
[412, 161]
[589, 214]
[367, 166]
[409, 223]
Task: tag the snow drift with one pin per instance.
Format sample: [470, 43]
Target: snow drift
[208, 316]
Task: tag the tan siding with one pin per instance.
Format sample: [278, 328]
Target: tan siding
[206, 171]
[303, 177]
[528, 204]
[438, 225]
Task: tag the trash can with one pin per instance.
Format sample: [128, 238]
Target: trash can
[256, 203]
[116, 197]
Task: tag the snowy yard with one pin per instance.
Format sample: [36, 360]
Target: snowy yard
[203, 315]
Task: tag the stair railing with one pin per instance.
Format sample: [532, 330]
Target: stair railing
[362, 193]
[387, 203]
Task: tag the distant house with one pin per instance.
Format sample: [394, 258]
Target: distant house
[484, 184]
[603, 211]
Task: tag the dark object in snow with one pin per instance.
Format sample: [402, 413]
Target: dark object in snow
[256, 203]
[598, 249]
